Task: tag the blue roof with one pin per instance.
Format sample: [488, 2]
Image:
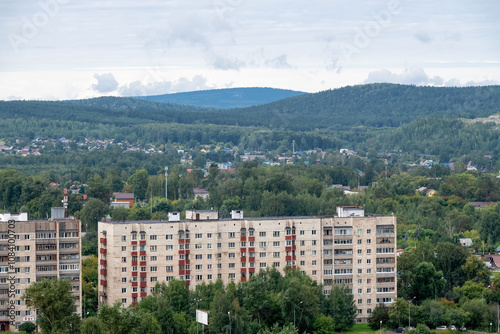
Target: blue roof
[227, 149]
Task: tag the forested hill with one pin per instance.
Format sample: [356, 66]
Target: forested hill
[225, 98]
[375, 105]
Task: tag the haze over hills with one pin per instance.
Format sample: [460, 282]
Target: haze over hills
[228, 98]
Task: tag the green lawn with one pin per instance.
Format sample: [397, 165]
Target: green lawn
[360, 328]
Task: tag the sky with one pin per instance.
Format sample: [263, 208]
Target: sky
[69, 49]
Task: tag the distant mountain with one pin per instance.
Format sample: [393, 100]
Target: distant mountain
[225, 98]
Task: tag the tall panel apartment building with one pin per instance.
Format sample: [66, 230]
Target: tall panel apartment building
[42, 249]
[349, 248]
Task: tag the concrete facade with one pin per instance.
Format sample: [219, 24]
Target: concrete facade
[359, 251]
[30, 251]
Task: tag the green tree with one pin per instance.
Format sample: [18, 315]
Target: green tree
[119, 214]
[27, 327]
[139, 183]
[92, 325]
[93, 211]
[379, 317]
[89, 285]
[323, 325]
[342, 307]
[476, 270]
[117, 319]
[56, 307]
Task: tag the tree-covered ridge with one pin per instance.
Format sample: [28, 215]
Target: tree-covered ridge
[225, 98]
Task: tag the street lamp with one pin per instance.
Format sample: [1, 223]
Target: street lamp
[482, 292]
[409, 309]
[380, 325]
[229, 314]
[294, 306]
[490, 327]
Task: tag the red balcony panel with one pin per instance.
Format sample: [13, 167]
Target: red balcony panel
[104, 282]
[243, 250]
[294, 237]
[294, 247]
[188, 261]
[144, 274]
[251, 238]
[288, 258]
[103, 262]
[142, 242]
[103, 241]
[181, 252]
[187, 251]
[143, 294]
[134, 253]
[294, 257]
[182, 272]
[134, 263]
[142, 253]
[294, 267]
[143, 263]
[251, 270]
[243, 238]
[134, 283]
[188, 272]
[134, 273]
[134, 295]
[188, 282]
[181, 241]
[182, 262]
[134, 242]
[251, 249]
[243, 259]
[144, 284]
[288, 237]
[186, 241]
[243, 270]
[251, 259]
[288, 249]
[243, 279]
[104, 272]
[103, 251]
[134, 303]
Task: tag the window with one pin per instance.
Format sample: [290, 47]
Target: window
[368, 251]
[263, 244]
[368, 261]
[302, 253]
[243, 264]
[314, 262]
[360, 251]
[368, 231]
[209, 235]
[169, 278]
[314, 242]
[198, 236]
[153, 248]
[262, 254]
[302, 263]
[231, 245]
[134, 248]
[360, 231]
[369, 241]
[232, 276]
[243, 244]
[152, 237]
[124, 290]
[154, 279]
[232, 255]
[153, 269]
[143, 236]
[276, 254]
[169, 236]
[302, 243]
[198, 246]
[368, 271]
[199, 267]
[219, 245]
[124, 269]
[359, 241]
[144, 269]
[360, 301]
[276, 264]
[368, 301]
[209, 277]
[313, 252]
[199, 256]
[169, 258]
[124, 259]
[263, 265]
[124, 280]
[26, 248]
[313, 232]
[360, 281]
[209, 256]
[170, 269]
[232, 266]
[360, 271]
[328, 272]
[199, 277]
[170, 247]
[152, 258]
[369, 281]
[276, 233]
[360, 261]
[276, 243]
[262, 234]
[314, 272]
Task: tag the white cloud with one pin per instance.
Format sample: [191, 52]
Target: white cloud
[138, 88]
[105, 83]
[423, 37]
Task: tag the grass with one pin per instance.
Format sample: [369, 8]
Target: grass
[360, 328]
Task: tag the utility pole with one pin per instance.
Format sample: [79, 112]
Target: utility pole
[166, 176]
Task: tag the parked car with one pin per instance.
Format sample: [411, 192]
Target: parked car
[399, 330]
[440, 328]
[463, 328]
[453, 328]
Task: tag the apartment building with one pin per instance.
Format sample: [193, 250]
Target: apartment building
[350, 248]
[31, 250]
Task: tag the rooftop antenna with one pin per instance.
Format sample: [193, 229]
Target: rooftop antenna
[65, 202]
[293, 149]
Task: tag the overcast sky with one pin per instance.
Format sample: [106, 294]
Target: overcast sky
[67, 49]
